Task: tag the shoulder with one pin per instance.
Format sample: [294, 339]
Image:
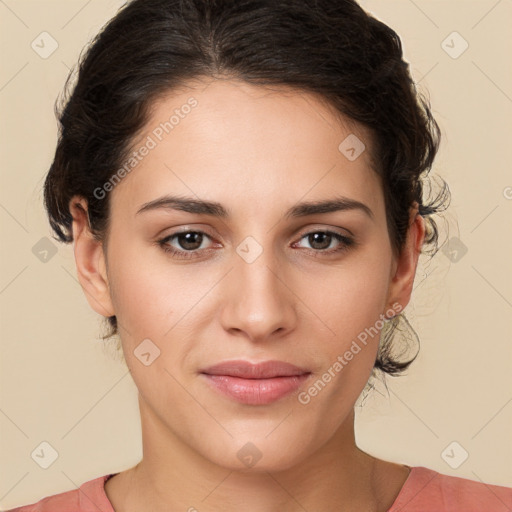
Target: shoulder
[89, 497]
[427, 490]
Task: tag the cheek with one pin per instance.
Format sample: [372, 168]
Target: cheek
[148, 302]
[351, 302]
[350, 298]
[140, 290]
[353, 312]
[170, 305]
[138, 298]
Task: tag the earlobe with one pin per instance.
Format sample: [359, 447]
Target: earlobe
[90, 260]
[404, 269]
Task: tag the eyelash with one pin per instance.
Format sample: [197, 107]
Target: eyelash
[346, 244]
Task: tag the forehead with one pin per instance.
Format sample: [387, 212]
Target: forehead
[227, 140]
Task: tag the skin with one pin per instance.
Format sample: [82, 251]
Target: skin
[257, 152]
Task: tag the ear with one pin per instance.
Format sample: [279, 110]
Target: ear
[404, 266]
[90, 260]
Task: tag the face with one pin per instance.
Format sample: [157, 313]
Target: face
[255, 276]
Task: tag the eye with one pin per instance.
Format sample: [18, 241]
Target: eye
[321, 241]
[187, 243]
[190, 244]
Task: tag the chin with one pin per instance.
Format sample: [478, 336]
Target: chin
[260, 454]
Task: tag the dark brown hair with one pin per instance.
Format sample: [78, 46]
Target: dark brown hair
[332, 48]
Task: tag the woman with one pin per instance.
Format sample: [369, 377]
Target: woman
[243, 184]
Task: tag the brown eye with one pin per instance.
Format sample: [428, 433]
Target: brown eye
[190, 240]
[321, 242]
[185, 244]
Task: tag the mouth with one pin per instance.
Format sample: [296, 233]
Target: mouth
[255, 384]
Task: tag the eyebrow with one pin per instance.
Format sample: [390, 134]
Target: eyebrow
[191, 205]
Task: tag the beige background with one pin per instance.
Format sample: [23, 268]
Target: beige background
[60, 386]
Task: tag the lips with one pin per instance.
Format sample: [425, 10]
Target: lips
[263, 370]
[255, 384]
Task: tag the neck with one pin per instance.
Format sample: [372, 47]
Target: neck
[172, 476]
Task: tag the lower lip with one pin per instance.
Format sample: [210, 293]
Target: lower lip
[256, 391]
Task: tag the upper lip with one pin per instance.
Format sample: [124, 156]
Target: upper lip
[261, 370]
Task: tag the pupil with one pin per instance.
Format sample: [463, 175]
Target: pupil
[315, 236]
[189, 242]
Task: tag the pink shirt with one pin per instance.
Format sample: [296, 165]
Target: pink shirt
[424, 490]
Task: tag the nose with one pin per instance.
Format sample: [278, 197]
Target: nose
[258, 299]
